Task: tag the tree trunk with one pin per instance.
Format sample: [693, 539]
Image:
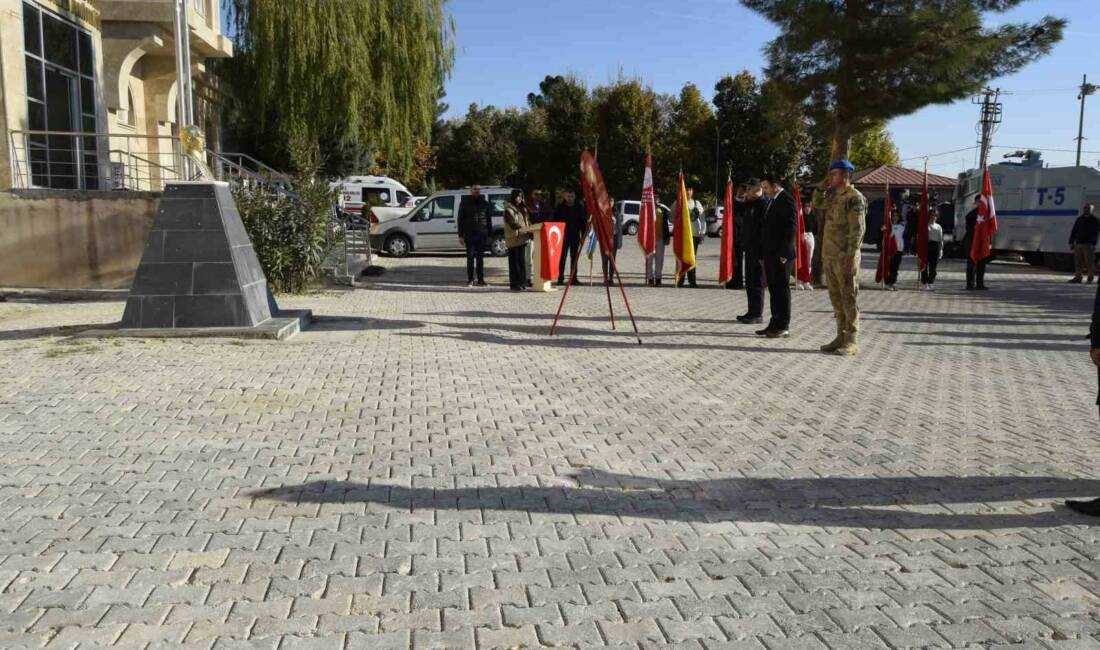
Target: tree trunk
[842, 139]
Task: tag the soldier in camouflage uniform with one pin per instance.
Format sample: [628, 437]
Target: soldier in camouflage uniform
[844, 210]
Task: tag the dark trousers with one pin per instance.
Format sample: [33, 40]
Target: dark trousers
[517, 267]
[928, 275]
[975, 273]
[779, 292]
[691, 274]
[605, 262]
[895, 266]
[754, 286]
[475, 257]
[572, 248]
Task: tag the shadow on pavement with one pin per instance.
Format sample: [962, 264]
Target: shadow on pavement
[49, 332]
[539, 337]
[846, 502]
[360, 324]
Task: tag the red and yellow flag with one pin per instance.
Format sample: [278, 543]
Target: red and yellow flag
[682, 242]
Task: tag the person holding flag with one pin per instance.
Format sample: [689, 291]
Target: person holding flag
[805, 242]
[922, 227]
[985, 226]
[889, 244]
[683, 243]
[647, 224]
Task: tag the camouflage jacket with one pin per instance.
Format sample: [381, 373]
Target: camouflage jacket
[845, 215]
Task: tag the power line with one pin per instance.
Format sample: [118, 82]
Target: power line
[942, 153]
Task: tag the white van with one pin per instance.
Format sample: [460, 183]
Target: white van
[371, 191]
[433, 225]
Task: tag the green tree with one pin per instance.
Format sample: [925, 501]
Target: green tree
[480, 147]
[627, 119]
[873, 147]
[688, 142]
[566, 104]
[359, 77]
[763, 131]
[878, 59]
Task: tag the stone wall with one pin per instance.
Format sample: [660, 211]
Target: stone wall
[73, 240]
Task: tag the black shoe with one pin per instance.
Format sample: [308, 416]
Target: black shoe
[777, 334]
[765, 332]
[657, 283]
[1075, 280]
[694, 286]
[969, 287]
[1090, 508]
[983, 288]
[529, 285]
[560, 283]
[482, 283]
[515, 288]
[749, 320]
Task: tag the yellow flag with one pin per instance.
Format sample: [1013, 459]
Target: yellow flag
[682, 242]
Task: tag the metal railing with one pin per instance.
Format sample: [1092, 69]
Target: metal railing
[64, 160]
[67, 160]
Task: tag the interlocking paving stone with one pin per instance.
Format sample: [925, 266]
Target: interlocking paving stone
[426, 468]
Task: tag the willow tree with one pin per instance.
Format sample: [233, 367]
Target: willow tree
[878, 59]
[359, 78]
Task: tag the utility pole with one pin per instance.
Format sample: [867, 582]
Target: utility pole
[1086, 90]
[717, 149]
[990, 118]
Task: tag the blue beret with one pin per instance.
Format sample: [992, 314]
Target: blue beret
[842, 164]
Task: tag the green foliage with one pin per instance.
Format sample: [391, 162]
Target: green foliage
[627, 118]
[358, 77]
[567, 113]
[290, 232]
[763, 131]
[480, 148]
[878, 59]
[873, 147]
[688, 142]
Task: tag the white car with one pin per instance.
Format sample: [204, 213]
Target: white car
[433, 225]
[630, 211]
[372, 191]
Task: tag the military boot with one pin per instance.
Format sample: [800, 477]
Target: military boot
[850, 347]
[834, 345]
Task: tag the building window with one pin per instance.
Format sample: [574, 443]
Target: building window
[131, 114]
[61, 99]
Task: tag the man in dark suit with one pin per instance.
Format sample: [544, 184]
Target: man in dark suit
[575, 217]
[1092, 507]
[780, 227]
[749, 235]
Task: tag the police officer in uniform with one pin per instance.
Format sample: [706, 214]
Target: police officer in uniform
[843, 210]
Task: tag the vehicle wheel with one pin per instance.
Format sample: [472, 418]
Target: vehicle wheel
[631, 229]
[499, 246]
[398, 246]
[718, 233]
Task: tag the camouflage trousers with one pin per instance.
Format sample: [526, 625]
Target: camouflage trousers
[843, 291]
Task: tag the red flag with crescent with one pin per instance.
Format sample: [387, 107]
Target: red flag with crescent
[889, 244]
[981, 246]
[551, 240]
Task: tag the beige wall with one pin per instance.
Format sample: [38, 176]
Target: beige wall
[73, 240]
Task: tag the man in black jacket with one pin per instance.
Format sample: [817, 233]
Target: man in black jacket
[473, 228]
[575, 217]
[750, 242]
[1092, 507]
[1082, 241]
[778, 246]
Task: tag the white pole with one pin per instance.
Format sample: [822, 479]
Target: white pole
[181, 105]
[185, 23]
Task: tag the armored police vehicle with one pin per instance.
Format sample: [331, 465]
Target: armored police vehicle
[1036, 206]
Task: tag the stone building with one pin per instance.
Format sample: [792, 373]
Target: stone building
[88, 122]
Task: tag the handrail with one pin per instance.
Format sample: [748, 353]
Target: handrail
[139, 158]
[243, 156]
[96, 134]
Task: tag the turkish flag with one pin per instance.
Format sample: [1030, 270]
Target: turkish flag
[727, 263]
[802, 249]
[889, 244]
[982, 245]
[551, 238]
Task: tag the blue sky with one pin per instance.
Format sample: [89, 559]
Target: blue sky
[505, 47]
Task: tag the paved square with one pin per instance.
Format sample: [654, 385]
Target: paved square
[427, 468]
